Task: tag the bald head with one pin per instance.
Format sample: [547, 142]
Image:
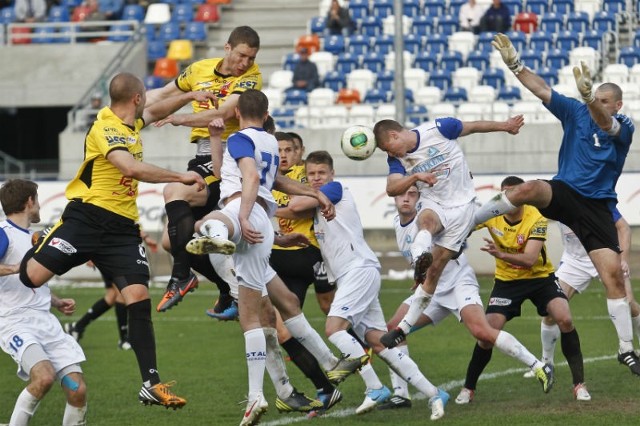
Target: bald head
[615, 90]
[124, 86]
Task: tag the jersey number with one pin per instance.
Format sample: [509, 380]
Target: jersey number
[596, 141]
[269, 161]
[16, 343]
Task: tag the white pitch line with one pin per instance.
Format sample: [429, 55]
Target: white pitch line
[348, 412]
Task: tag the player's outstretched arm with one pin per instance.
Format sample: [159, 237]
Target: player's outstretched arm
[398, 184]
[528, 78]
[167, 91]
[203, 118]
[511, 126]
[168, 106]
[66, 306]
[599, 114]
[216, 128]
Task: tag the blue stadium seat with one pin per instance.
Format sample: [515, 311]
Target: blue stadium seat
[515, 6]
[151, 31]
[426, 60]
[593, 38]
[195, 31]
[540, 40]
[70, 4]
[318, 25]
[518, 39]
[552, 23]
[359, 9]
[455, 95]
[557, 58]
[615, 6]
[133, 12]
[423, 25]
[478, 59]
[605, 21]
[376, 97]
[371, 26]
[629, 56]
[448, 24]
[493, 77]
[434, 7]
[408, 96]
[67, 31]
[451, 60]
[118, 28]
[335, 80]
[43, 35]
[454, 7]
[153, 82]
[567, 40]
[532, 58]
[436, 43]
[385, 80]
[548, 74]
[58, 14]
[295, 97]
[359, 44]
[182, 13]
[413, 43]
[7, 15]
[334, 44]
[382, 8]
[373, 61]
[290, 61]
[417, 114]
[169, 31]
[562, 7]
[484, 41]
[440, 78]
[577, 21]
[411, 8]
[636, 39]
[347, 62]
[156, 49]
[383, 44]
[284, 117]
[508, 94]
[539, 7]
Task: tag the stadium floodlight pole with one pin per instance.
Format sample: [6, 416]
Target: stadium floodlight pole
[398, 44]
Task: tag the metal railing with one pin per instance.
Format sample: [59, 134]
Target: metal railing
[70, 32]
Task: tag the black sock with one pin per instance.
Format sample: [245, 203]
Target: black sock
[100, 307]
[121, 319]
[570, 343]
[306, 362]
[479, 361]
[204, 266]
[143, 340]
[180, 229]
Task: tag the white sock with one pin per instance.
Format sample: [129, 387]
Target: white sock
[419, 303]
[400, 387]
[636, 325]
[496, 206]
[256, 353]
[26, 406]
[350, 346]
[369, 377]
[509, 345]
[620, 314]
[214, 228]
[549, 335]
[420, 244]
[225, 267]
[403, 365]
[275, 364]
[74, 416]
[300, 328]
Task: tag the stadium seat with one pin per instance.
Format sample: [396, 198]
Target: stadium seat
[415, 78]
[615, 6]
[375, 97]
[359, 44]
[408, 96]
[634, 74]
[562, 7]
[371, 26]
[466, 77]
[207, 13]
[518, 39]
[80, 13]
[382, 8]
[324, 61]
[615, 73]
[567, 40]
[390, 60]
[463, 42]
[70, 4]
[7, 15]
[631, 90]
[577, 21]
[153, 82]
[482, 94]
[335, 116]
[42, 35]
[417, 114]
[451, 60]
[411, 8]
[508, 94]
[334, 44]
[385, 80]
[389, 25]
[180, 50]
[358, 9]
[295, 97]
[470, 112]
[281, 79]
[290, 61]
[455, 95]
[442, 110]
[383, 44]
[64, 34]
[318, 25]
[540, 40]
[548, 74]
[426, 61]
[361, 80]
[17, 35]
[594, 39]
[436, 43]
[311, 42]
[565, 76]
[133, 12]
[120, 33]
[348, 96]
[448, 24]
[413, 43]
[569, 90]
[58, 14]
[166, 68]
[182, 13]
[557, 58]
[440, 78]
[528, 110]
[169, 31]
[493, 77]
[515, 6]
[434, 7]
[526, 22]
[532, 58]
[321, 96]
[347, 62]
[478, 60]
[539, 7]
[428, 95]
[157, 13]
[386, 112]
[362, 114]
[590, 7]
[373, 61]
[605, 21]
[587, 55]
[551, 23]
[484, 41]
[284, 117]
[455, 6]
[195, 31]
[423, 25]
[335, 80]
[629, 56]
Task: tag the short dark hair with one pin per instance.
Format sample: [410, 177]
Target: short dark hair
[295, 136]
[244, 35]
[511, 181]
[320, 157]
[283, 136]
[269, 125]
[253, 104]
[382, 128]
[15, 193]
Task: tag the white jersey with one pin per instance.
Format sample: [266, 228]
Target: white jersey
[263, 148]
[572, 245]
[438, 152]
[405, 234]
[342, 240]
[15, 297]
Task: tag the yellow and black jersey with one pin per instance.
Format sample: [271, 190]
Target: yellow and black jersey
[513, 237]
[99, 182]
[287, 226]
[202, 75]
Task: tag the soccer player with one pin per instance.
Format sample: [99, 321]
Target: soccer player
[100, 222]
[523, 272]
[430, 157]
[356, 270]
[28, 331]
[582, 194]
[226, 78]
[243, 228]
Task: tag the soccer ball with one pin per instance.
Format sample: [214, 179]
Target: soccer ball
[358, 142]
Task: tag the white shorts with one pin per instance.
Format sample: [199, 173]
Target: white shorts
[43, 329]
[577, 273]
[452, 301]
[251, 260]
[356, 300]
[456, 221]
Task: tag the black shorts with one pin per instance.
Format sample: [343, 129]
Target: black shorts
[589, 218]
[507, 296]
[203, 165]
[298, 268]
[87, 232]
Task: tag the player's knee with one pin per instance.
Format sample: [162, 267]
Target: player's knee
[548, 320]
[75, 388]
[565, 323]
[43, 381]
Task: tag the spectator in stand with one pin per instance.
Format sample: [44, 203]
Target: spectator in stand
[338, 19]
[305, 74]
[497, 18]
[470, 15]
[112, 9]
[30, 10]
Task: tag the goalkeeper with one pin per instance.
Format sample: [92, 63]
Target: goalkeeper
[582, 194]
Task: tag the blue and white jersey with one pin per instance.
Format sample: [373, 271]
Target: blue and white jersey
[572, 245]
[405, 234]
[15, 297]
[437, 151]
[590, 161]
[263, 148]
[342, 240]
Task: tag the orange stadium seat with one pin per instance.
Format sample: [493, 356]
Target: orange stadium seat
[310, 41]
[15, 35]
[348, 97]
[207, 13]
[526, 22]
[219, 1]
[166, 68]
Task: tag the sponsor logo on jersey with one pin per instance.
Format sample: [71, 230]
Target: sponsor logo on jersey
[520, 239]
[246, 84]
[131, 140]
[499, 301]
[62, 245]
[497, 232]
[115, 140]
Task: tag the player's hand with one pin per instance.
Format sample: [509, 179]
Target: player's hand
[428, 178]
[490, 247]
[66, 306]
[294, 239]
[514, 124]
[327, 208]
[216, 127]
[626, 272]
[249, 234]
[173, 119]
[584, 82]
[202, 96]
[509, 54]
[191, 178]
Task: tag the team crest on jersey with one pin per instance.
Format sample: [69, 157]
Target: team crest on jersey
[62, 245]
[520, 239]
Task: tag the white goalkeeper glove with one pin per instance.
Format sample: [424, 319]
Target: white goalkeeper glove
[509, 54]
[584, 82]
